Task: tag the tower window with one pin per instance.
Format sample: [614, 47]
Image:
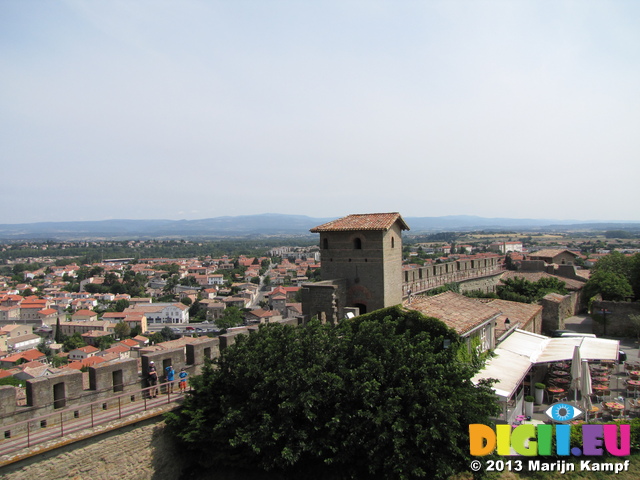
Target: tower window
[325, 244]
[357, 244]
[393, 242]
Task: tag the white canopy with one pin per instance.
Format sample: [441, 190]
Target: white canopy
[508, 369]
[521, 350]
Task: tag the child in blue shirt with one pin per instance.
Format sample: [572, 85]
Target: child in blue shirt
[182, 384]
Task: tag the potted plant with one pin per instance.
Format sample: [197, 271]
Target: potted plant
[539, 392]
[528, 406]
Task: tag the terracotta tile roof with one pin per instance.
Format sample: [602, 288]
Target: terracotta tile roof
[87, 362]
[551, 252]
[28, 355]
[117, 349]
[367, 221]
[89, 349]
[516, 311]
[461, 313]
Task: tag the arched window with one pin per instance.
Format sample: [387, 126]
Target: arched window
[393, 242]
[325, 244]
[357, 244]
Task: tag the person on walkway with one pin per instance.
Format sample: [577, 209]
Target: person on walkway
[182, 384]
[152, 379]
[170, 377]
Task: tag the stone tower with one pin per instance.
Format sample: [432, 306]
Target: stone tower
[361, 257]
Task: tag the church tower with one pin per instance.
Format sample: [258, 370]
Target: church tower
[361, 260]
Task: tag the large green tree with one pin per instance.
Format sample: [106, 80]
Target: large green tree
[611, 285]
[231, 317]
[382, 396]
[607, 272]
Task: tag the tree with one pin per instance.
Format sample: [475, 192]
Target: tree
[135, 331]
[44, 348]
[379, 397]
[105, 342]
[156, 337]
[122, 330]
[73, 342]
[610, 285]
[121, 305]
[168, 334]
[231, 317]
[58, 337]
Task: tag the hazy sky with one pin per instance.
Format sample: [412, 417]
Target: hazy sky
[198, 109]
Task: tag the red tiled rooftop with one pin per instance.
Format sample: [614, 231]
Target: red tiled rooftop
[461, 313]
[367, 221]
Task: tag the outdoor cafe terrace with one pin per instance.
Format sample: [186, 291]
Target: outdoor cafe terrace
[524, 359]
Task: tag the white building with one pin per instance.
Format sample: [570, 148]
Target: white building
[158, 313]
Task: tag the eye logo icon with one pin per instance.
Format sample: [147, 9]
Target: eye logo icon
[563, 412]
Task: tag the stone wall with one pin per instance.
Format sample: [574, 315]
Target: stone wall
[325, 299]
[484, 284]
[618, 323]
[555, 308]
[136, 452]
[44, 395]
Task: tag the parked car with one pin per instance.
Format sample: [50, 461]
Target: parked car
[559, 333]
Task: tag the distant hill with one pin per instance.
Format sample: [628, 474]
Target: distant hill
[270, 224]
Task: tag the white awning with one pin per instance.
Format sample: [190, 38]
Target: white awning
[561, 349]
[508, 369]
[520, 350]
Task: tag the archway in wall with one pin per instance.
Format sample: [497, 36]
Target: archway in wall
[362, 307]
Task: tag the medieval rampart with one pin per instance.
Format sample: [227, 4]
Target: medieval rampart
[464, 271]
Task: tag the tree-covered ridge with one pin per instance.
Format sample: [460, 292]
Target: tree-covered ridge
[378, 396]
[95, 251]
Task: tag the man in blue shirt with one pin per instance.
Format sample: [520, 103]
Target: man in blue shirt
[170, 376]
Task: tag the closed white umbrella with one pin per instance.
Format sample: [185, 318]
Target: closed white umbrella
[576, 371]
[586, 389]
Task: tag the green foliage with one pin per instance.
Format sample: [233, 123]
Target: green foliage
[44, 348]
[518, 289]
[379, 396]
[610, 285]
[616, 265]
[105, 342]
[480, 294]
[14, 382]
[168, 334]
[59, 336]
[156, 337]
[57, 361]
[121, 305]
[122, 330]
[72, 342]
[231, 317]
[447, 287]
[472, 353]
